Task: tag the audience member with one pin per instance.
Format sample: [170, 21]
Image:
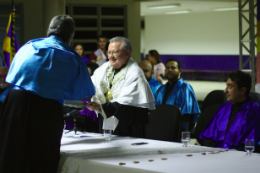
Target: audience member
[159, 68]
[122, 90]
[179, 93]
[234, 121]
[100, 55]
[147, 68]
[79, 49]
[91, 67]
[31, 123]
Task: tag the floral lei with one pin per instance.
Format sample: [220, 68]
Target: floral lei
[106, 88]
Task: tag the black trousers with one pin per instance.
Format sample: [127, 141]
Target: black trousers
[30, 133]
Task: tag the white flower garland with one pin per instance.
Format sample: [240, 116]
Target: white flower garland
[120, 76]
[105, 86]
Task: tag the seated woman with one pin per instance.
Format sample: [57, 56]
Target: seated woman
[79, 49]
[159, 67]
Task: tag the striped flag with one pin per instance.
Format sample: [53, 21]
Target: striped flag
[10, 46]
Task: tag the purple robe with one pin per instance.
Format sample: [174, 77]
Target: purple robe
[240, 129]
[85, 59]
[257, 125]
[90, 114]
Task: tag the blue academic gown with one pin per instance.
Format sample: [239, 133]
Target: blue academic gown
[182, 96]
[154, 85]
[51, 69]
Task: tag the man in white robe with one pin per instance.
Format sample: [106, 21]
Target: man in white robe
[122, 90]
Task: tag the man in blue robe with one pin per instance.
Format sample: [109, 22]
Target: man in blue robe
[235, 120]
[147, 68]
[179, 93]
[45, 72]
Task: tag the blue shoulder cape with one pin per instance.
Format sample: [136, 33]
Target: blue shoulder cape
[182, 96]
[154, 85]
[52, 69]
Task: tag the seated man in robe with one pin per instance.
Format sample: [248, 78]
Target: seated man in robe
[99, 56]
[234, 121]
[147, 68]
[179, 93]
[122, 90]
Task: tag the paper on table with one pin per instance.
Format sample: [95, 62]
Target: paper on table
[110, 123]
[80, 135]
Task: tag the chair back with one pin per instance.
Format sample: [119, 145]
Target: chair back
[255, 96]
[204, 119]
[216, 97]
[164, 123]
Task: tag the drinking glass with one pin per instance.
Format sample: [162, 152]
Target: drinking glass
[107, 135]
[64, 126]
[185, 138]
[249, 146]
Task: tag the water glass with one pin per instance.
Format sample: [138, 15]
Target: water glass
[249, 146]
[107, 135]
[185, 138]
[64, 126]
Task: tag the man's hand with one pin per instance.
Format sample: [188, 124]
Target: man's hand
[94, 106]
[99, 58]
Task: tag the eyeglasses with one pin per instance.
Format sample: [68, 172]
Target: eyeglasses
[115, 53]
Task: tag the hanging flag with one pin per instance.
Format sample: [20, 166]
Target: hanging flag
[10, 46]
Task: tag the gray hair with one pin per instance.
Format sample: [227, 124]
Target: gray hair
[126, 45]
[61, 26]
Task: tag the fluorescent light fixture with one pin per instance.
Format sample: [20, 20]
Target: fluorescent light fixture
[225, 9]
[163, 6]
[178, 12]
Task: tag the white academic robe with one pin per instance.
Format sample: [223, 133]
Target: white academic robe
[131, 89]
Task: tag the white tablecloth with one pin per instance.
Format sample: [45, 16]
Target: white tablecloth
[91, 154]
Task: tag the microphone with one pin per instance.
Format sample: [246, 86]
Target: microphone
[70, 113]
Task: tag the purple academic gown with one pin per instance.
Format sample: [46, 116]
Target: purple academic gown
[85, 59]
[241, 128]
[90, 114]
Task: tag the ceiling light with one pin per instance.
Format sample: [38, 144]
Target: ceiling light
[225, 9]
[163, 6]
[178, 12]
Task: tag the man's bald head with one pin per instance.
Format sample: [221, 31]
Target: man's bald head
[3, 74]
[147, 68]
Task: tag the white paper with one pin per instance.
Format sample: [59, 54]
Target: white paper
[110, 123]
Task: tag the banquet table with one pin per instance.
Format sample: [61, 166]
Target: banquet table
[87, 152]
